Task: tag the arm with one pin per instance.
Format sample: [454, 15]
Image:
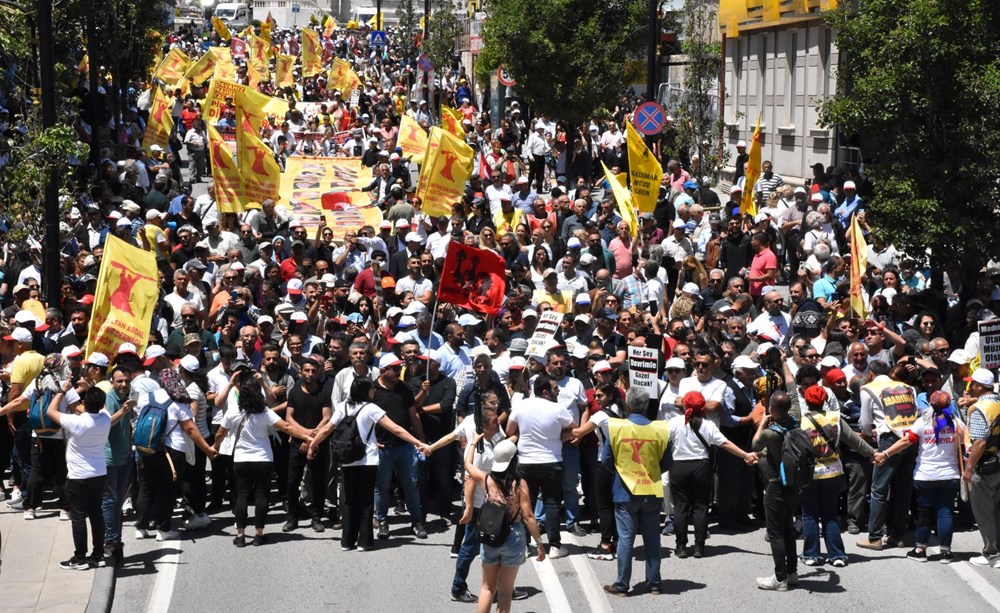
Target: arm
[473, 472]
[896, 447]
[512, 431]
[18, 404]
[295, 430]
[851, 439]
[468, 489]
[399, 432]
[749, 458]
[418, 426]
[975, 454]
[125, 409]
[52, 411]
[192, 431]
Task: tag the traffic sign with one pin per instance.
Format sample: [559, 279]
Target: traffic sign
[424, 63]
[649, 118]
[506, 79]
[295, 8]
[378, 38]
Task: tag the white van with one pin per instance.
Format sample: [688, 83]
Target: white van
[235, 15]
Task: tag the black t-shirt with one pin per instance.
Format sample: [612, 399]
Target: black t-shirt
[396, 403]
[308, 407]
[442, 391]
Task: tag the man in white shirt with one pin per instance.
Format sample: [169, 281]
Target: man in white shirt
[773, 323]
[437, 242]
[711, 387]
[416, 282]
[496, 192]
[538, 147]
[219, 241]
[204, 207]
[181, 296]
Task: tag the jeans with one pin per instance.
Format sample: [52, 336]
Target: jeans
[820, 500]
[641, 515]
[570, 479]
[254, 476]
[858, 470]
[402, 459]
[935, 499]
[116, 486]
[691, 488]
[358, 507]
[984, 494]
[84, 498]
[511, 553]
[779, 517]
[297, 462]
[896, 474]
[466, 554]
[546, 479]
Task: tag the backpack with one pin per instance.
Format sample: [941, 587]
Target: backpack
[40, 423]
[346, 444]
[151, 427]
[494, 521]
[798, 459]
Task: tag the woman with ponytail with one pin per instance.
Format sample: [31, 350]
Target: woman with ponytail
[938, 432]
[691, 476]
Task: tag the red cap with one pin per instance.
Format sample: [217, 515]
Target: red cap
[834, 375]
[815, 395]
[87, 299]
[694, 400]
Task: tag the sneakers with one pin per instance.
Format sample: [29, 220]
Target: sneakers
[290, 525]
[29, 514]
[772, 584]
[16, 500]
[601, 554]
[556, 552]
[240, 541]
[792, 579]
[813, 561]
[75, 563]
[917, 555]
[419, 531]
[259, 539]
[577, 530]
[127, 506]
[197, 521]
[615, 591]
[519, 594]
[317, 526]
[668, 528]
[839, 562]
[142, 533]
[454, 552]
[169, 535]
[63, 515]
[875, 545]
[383, 530]
[98, 561]
[978, 560]
[946, 557]
[466, 596]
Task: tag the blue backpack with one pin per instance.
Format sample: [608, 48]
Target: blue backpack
[40, 423]
[151, 427]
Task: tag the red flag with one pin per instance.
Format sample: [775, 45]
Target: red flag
[484, 166]
[473, 279]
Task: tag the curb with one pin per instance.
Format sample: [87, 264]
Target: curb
[102, 592]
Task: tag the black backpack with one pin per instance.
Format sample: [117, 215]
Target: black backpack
[798, 458]
[494, 521]
[346, 444]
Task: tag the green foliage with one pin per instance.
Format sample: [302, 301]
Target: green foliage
[443, 28]
[567, 56]
[409, 25]
[920, 88]
[699, 127]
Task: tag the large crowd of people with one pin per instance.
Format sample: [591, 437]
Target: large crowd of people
[268, 338]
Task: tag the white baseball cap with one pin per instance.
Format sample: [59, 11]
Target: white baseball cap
[190, 363]
[982, 377]
[97, 359]
[743, 361]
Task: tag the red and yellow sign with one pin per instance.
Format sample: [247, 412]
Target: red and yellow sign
[451, 121]
[225, 173]
[173, 66]
[312, 53]
[160, 123]
[128, 289]
[412, 139]
[448, 165]
[283, 65]
[342, 77]
[316, 188]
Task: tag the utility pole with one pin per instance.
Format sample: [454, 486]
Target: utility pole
[654, 35]
[50, 262]
[423, 42]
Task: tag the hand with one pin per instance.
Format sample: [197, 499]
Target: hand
[68, 385]
[236, 377]
[541, 552]
[752, 458]
[212, 453]
[426, 385]
[129, 405]
[304, 447]
[425, 449]
[878, 461]
[466, 516]
[967, 474]
[279, 390]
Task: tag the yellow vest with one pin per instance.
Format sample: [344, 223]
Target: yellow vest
[828, 464]
[990, 409]
[637, 451]
[899, 404]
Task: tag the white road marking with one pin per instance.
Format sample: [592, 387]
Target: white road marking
[591, 585]
[553, 590]
[166, 573]
[978, 584]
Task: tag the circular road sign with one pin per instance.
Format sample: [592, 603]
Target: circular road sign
[424, 63]
[649, 118]
[505, 78]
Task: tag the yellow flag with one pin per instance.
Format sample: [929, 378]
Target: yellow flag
[221, 28]
[451, 121]
[259, 51]
[128, 289]
[265, 32]
[203, 69]
[283, 65]
[84, 64]
[772, 10]
[329, 25]
[259, 171]
[377, 21]
[312, 53]
[412, 139]
[748, 204]
[160, 123]
[859, 264]
[256, 106]
[644, 171]
[173, 66]
[446, 169]
[224, 67]
[225, 173]
[624, 199]
[342, 77]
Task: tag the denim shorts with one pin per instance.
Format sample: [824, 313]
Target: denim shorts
[511, 553]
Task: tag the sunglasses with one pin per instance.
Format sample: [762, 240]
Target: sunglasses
[675, 370]
[597, 356]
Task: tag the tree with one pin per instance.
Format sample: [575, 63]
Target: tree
[409, 23]
[919, 90]
[567, 56]
[443, 27]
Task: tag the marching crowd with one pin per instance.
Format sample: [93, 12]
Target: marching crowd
[284, 365]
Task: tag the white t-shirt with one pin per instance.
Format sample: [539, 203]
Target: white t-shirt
[419, 287]
[177, 302]
[668, 398]
[686, 443]
[466, 431]
[68, 399]
[601, 419]
[539, 423]
[254, 443]
[713, 391]
[937, 461]
[572, 396]
[369, 415]
[201, 419]
[217, 381]
[176, 413]
[86, 436]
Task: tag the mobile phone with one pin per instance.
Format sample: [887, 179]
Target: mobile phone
[234, 295]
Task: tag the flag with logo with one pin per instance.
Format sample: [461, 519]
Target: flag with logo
[225, 173]
[312, 53]
[259, 171]
[859, 264]
[265, 32]
[283, 65]
[624, 199]
[473, 279]
[203, 69]
[412, 139]
[342, 77]
[224, 67]
[257, 106]
[160, 123]
[748, 204]
[128, 290]
[447, 166]
[329, 25]
[377, 21]
[451, 120]
[644, 171]
[221, 28]
[173, 66]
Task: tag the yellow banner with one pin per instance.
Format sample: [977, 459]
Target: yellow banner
[225, 173]
[644, 171]
[451, 121]
[377, 21]
[748, 204]
[283, 65]
[448, 165]
[412, 139]
[224, 67]
[173, 66]
[307, 179]
[128, 289]
[259, 50]
[624, 199]
[265, 32]
[859, 264]
[329, 25]
[342, 77]
[258, 105]
[637, 451]
[772, 10]
[259, 172]
[221, 28]
[203, 69]
[160, 123]
[312, 53]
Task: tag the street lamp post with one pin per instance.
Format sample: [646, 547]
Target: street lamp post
[654, 35]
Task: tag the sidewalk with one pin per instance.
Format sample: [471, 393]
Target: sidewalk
[31, 579]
